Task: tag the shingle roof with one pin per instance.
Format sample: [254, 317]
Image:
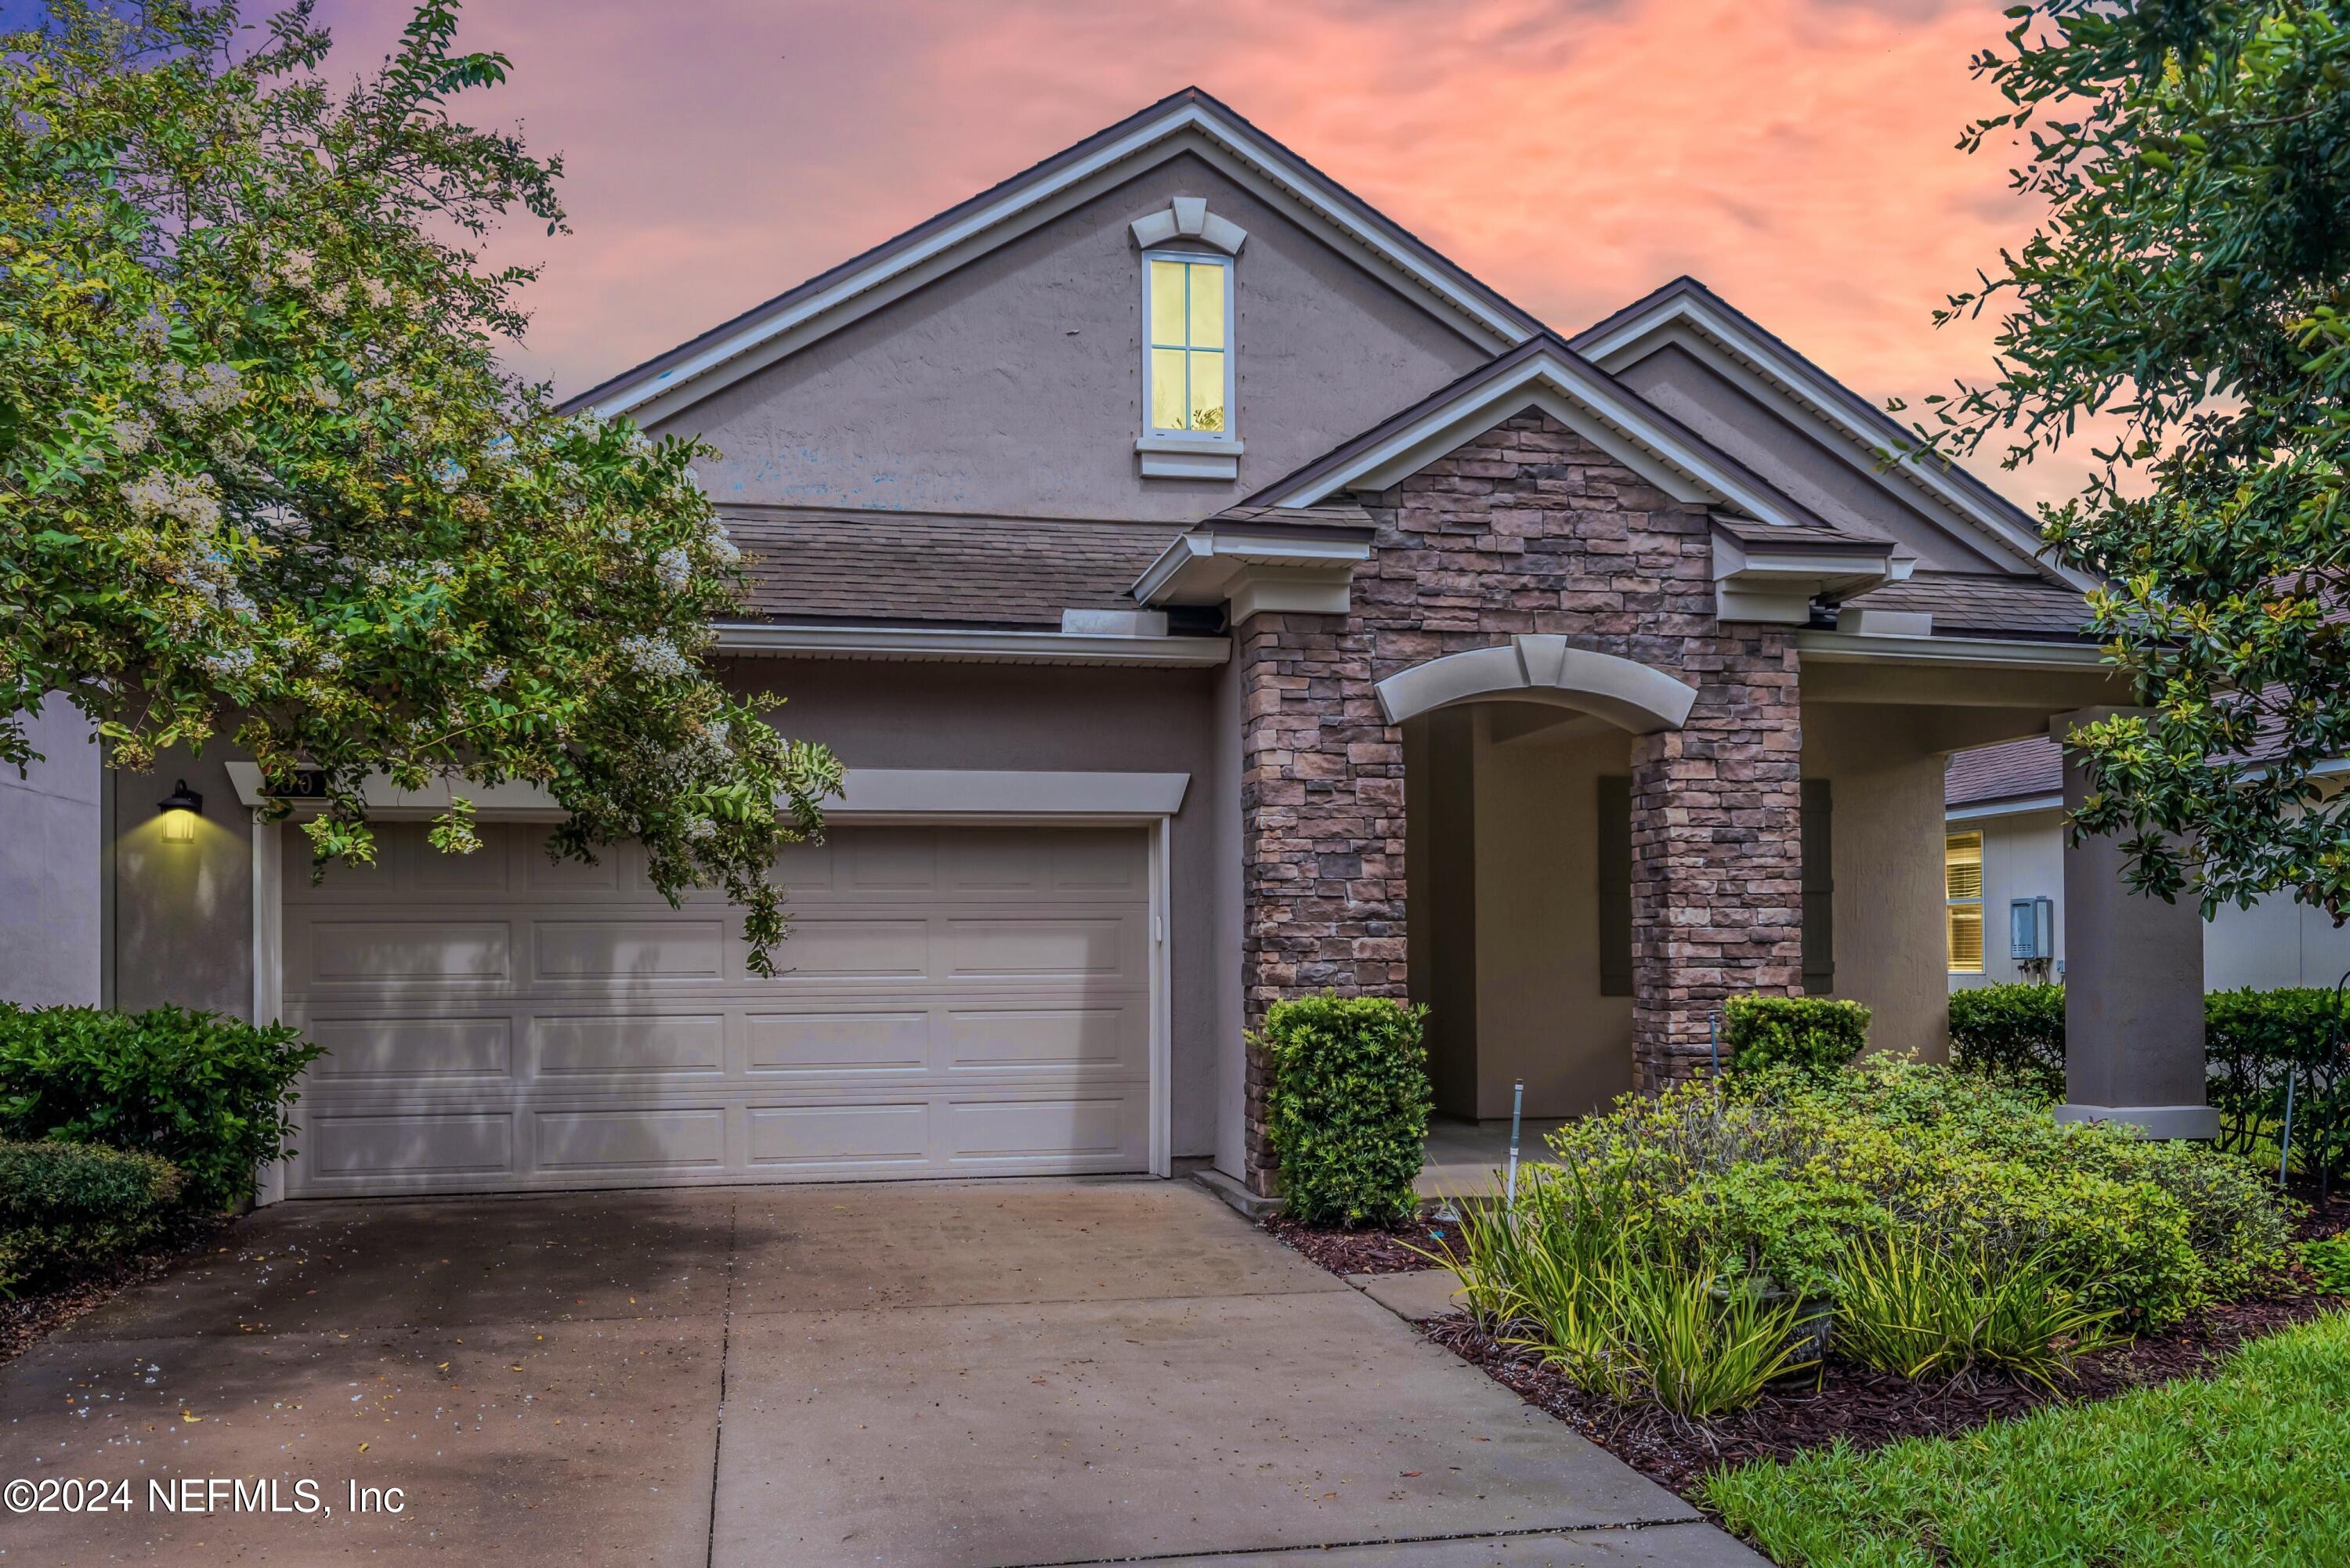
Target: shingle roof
[2015, 771]
[2011, 606]
[1811, 535]
[971, 571]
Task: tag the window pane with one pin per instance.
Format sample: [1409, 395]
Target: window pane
[1962, 864]
[1207, 390]
[1167, 303]
[1167, 395]
[1207, 306]
[1965, 938]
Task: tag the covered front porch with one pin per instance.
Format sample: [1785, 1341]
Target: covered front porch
[1523, 832]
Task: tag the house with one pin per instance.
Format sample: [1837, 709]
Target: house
[1217, 594]
[2003, 846]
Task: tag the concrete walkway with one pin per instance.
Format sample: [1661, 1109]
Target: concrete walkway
[964, 1375]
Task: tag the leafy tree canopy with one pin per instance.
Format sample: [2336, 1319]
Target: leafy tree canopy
[262, 471]
[2192, 285]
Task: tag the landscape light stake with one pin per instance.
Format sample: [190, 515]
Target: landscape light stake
[1517, 1105]
[1713, 1042]
[2284, 1143]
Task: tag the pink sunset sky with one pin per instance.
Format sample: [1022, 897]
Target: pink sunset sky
[1796, 155]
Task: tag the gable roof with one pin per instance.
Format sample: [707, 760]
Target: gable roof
[1188, 120]
[1685, 311]
[1542, 372]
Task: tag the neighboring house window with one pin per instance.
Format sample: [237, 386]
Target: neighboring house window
[1187, 369]
[1963, 867]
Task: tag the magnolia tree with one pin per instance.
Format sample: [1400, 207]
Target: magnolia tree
[2192, 287]
[264, 478]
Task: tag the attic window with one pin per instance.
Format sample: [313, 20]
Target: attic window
[1187, 373]
[1189, 384]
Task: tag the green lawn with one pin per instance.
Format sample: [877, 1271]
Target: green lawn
[2252, 1467]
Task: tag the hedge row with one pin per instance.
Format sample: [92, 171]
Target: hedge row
[2254, 1042]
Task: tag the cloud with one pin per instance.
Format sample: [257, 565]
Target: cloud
[1796, 154]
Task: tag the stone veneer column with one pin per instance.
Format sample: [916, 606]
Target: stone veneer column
[1321, 831]
[1717, 858]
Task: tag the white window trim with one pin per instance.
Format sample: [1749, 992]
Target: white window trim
[1192, 454]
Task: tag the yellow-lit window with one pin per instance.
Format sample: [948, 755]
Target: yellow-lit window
[1189, 367]
[1962, 881]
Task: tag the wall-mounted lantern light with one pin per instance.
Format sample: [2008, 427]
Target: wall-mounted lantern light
[180, 810]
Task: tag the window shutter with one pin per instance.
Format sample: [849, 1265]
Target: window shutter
[1819, 889]
[1615, 838]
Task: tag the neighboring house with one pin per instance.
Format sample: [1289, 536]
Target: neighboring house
[1216, 595]
[2004, 845]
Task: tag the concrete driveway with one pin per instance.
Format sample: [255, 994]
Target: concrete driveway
[946, 1375]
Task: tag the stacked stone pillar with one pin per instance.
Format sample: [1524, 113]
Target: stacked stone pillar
[1321, 831]
[1717, 859]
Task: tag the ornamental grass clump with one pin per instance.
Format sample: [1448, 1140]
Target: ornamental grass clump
[1686, 1247]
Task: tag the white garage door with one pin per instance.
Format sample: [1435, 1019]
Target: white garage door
[957, 1001]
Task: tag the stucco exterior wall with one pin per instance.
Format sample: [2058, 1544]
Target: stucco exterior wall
[183, 912]
[1797, 460]
[884, 715]
[2276, 943]
[51, 906]
[1014, 384]
[1885, 785]
[1540, 1015]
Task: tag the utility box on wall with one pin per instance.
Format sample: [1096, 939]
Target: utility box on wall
[2031, 930]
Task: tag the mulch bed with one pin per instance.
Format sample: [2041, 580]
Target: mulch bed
[25, 1320]
[1867, 1409]
[1370, 1250]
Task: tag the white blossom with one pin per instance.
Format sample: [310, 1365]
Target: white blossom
[491, 679]
[721, 547]
[132, 432]
[499, 450]
[655, 656]
[701, 829]
[377, 294]
[229, 663]
[448, 473]
[190, 499]
[674, 566]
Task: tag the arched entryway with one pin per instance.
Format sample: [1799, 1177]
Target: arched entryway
[1518, 763]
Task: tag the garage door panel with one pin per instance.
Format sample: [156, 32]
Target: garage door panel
[1028, 1038]
[347, 951]
[831, 947]
[840, 1140]
[412, 1050]
[833, 1042]
[1029, 946]
[953, 1001]
[632, 1043]
[644, 948]
[680, 1140]
[1039, 1131]
[420, 1143]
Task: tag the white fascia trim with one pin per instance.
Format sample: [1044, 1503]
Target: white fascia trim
[656, 396]
[514, 800]
[1858, 647]
[1200, 565]
[1613, 423]
[961, 646]
[870, 791]
[1822, 398]
[949, 793]
[2021, 806]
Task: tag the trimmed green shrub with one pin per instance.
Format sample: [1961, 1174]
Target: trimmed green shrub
[2014, 1034]
[1813, 1035]
[207, 1094]
[2252, 1040]
[66, 1208]
[1349, 1117]
[1776, 1174]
